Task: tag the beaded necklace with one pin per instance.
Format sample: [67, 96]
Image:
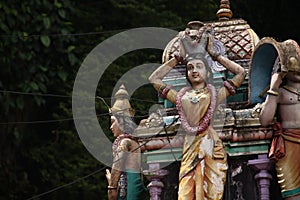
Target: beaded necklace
[293, 90]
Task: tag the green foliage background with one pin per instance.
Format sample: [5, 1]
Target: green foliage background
[41, 50]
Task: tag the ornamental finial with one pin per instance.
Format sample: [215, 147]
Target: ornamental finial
[224, 13]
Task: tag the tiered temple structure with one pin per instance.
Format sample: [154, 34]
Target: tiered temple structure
[251, 174]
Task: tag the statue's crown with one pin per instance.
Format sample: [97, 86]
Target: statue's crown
[122, 104]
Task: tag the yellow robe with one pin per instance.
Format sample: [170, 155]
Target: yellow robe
[288, 167]
[201, 175]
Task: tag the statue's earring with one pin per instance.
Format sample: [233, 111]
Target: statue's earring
[208, 75]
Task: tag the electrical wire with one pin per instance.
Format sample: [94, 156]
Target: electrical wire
[79, 34]
[65, 185]
[49, 121]
[101, 169]
[168, 138]
[67, 96]
[60, 120]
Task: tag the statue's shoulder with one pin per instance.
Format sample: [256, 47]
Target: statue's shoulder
[128, 143]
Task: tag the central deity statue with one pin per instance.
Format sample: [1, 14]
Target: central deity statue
[204, 162]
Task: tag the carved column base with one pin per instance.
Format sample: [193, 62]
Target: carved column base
[263, 177]
[156, 185]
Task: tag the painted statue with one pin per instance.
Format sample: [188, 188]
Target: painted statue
[124, 180]
[204, 163]
[282, 109]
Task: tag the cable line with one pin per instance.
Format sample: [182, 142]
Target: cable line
[65, 185]
[49, 121]
[68, 96]
[101, 169]
[79, 34]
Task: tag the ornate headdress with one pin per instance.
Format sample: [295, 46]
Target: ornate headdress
[122, 104]
[294, 55]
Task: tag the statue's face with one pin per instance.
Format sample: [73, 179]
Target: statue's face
[115, 126]
[196, 71]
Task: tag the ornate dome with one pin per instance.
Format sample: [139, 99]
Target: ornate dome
[236, 35]
[237, 40]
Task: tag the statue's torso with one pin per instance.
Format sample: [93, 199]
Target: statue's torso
[289, 109]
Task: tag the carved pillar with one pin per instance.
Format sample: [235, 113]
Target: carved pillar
[155, 175]
[263, 177]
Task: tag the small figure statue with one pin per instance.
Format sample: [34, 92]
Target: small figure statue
[204, 162]
[283, 103]
[124, 180]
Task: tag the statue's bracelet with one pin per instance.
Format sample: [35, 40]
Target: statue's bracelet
[111, 187]
[272, 92]
[165, 91]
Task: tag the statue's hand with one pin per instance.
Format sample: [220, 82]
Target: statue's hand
[183, 35]
[180, 59]
[210, 47]
[108, 176]
[276, 80]
[210, 44]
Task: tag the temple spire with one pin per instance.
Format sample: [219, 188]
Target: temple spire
[224, 13]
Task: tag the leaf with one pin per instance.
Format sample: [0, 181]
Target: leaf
[23, 36]
[71, 48]
[4, 27]
[62, 13]
[42, 87]
[45, 40]
[44, 69]
[47, 22]
[34, 86]
[63, 75]
[72, 58]
[57, 4]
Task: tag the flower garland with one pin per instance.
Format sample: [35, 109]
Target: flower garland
[204, 123]
[118, 140]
